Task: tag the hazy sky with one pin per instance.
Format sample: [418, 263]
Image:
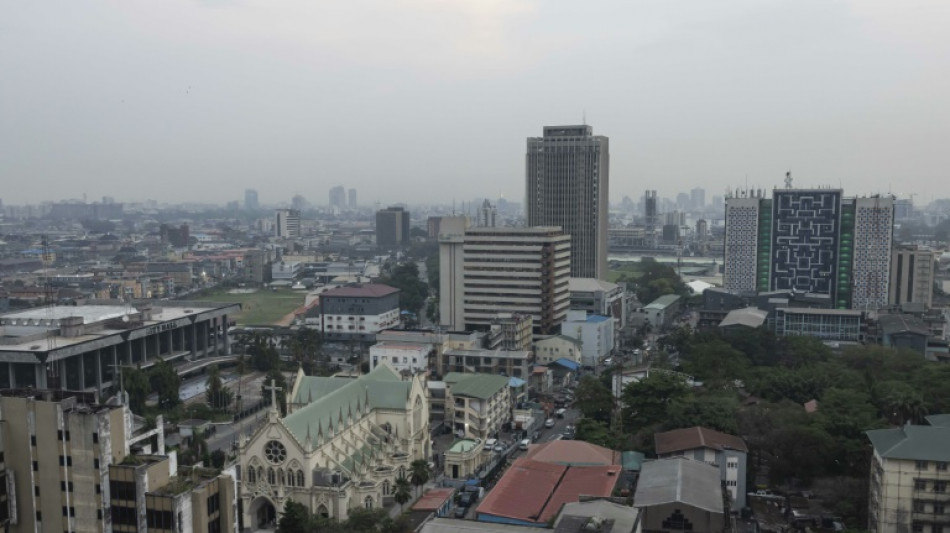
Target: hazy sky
[426, 100]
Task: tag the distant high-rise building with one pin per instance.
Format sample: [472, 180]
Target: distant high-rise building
[912, 276]
[810, 240]
[873, 231]
[352, 195]
[567, 180]
[698, 198]
[487, 271]
[338, 197]
[287, 223]
[392, 227]
[702, 229]
[298, 202]
[683, 201]
[651, 215]
[486, 215]
[250, 199]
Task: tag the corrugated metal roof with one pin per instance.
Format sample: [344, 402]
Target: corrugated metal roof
[913, 443]
[482, 386]
[696, 437]
[679, 480]
[663, 301]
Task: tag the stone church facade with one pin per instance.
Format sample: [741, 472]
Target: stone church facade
[342, 445]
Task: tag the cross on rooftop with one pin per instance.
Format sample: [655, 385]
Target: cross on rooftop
[273, 388]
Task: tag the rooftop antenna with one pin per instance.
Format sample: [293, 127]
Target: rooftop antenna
[788, 179]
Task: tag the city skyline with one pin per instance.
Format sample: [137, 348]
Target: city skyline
[239, 95]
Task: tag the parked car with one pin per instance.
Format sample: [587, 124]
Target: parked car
[549, 423]
[535, 436]
[489, 444]
[499, 448]
[560, 412]
[460, 511]
[523, 445]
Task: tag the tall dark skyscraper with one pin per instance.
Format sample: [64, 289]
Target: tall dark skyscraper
[567, 177]
[392, 227]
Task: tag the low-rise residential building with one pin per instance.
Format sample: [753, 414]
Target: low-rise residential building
[550, 349]
[403, 357]
[659, 313]
[910, 478]
[679, 494]
[510, 332]
[502, 362]
[726, 452]
[477, 405]
[358, 311]
[594, 332]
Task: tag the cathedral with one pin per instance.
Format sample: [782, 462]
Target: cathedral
[343, 444]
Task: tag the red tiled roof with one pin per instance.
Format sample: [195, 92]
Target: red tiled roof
[581, 480]
[534, 491]
[365, 290]
[523, 490]
[572, 452]
[433, 500]
[696, 437]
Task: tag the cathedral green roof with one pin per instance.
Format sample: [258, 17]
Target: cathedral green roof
[338, 402]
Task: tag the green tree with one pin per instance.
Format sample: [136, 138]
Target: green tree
[715, 362]
[647, 402]
[594, 399]
[295, 519]
[305, 347]
[365, 520]
[595, 432]
[403, 492]
[412, 291]
[137, 386]
[219, 397]
[164, 380]
[419, 473]
[714, 411]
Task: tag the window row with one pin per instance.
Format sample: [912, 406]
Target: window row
[278, 476]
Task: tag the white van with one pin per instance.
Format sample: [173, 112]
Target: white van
[523, 445]
[489, 444]
[560, 412]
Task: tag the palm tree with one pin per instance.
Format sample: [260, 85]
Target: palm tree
[419, 473]
[403, 492]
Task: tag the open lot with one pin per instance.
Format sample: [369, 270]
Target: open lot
[261, 307]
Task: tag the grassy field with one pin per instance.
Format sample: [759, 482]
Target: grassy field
[629, 270]
[261, 307]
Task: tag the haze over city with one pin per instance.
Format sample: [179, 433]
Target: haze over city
[422, 101]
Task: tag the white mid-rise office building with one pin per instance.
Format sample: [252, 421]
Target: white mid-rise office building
[486, 271]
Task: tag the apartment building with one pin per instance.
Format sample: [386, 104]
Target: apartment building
[477, 405]
[912, 276]
[910, 478]
[70, 463]
[358, 311]
[726, 452]
[509, 363]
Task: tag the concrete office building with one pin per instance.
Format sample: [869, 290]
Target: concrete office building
[504, 270]
[594, 332]
[351, 194]
[78, 347]
[67, 463]
[567, 181]
[912, 276]
[811, 241]
[392, 227]
[287, 224]
[651, 217]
